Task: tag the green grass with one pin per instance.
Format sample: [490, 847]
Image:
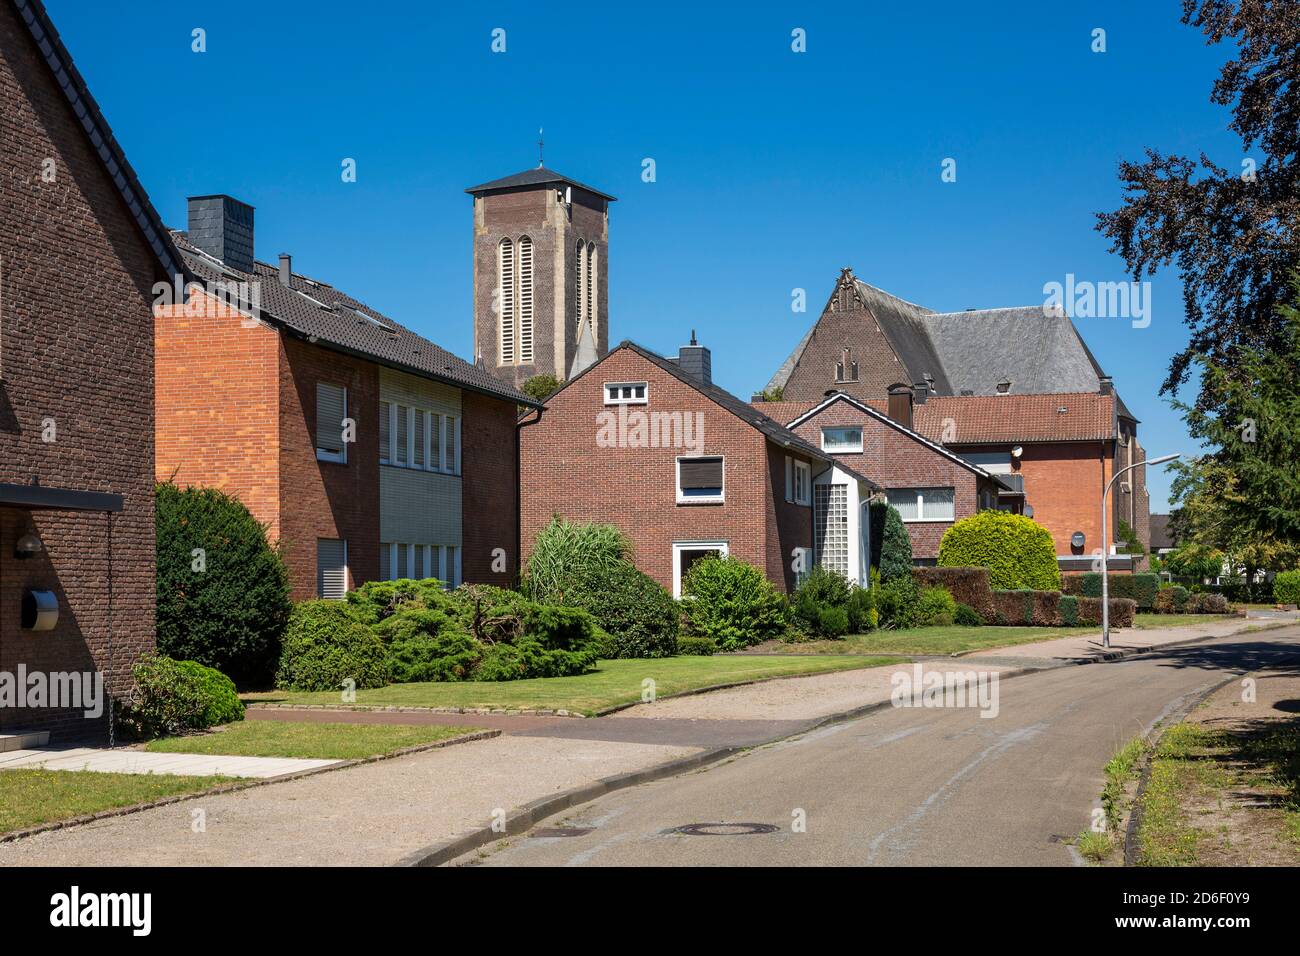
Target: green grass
[1095, 847]
[1146, 622]
[612, 683]
[274, 738]
[952, 639]
[1178, 768]
[30, 797]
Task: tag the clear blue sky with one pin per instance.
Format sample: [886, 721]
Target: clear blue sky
[774, 169]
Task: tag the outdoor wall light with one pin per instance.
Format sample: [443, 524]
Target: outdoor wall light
[28, 546]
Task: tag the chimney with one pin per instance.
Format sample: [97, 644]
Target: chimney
[900, 404]
[920, 392]
[286, 270]
[223, 227]
[696, 360]
[1107, 385]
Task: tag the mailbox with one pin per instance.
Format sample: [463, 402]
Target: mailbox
[40, 610]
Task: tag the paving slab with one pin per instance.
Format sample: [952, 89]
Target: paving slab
[141, 761]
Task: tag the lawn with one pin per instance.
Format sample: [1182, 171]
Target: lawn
[611, 684]
[1146, 622]
[274, 738]
[952, 639]
[30, 797]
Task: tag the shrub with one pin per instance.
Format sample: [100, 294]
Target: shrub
[896, 602]
[1207, 603]
[1141, 587]
[1018, 552]
[569, 556]
[822, 593]
[1286, 587]
[1027, 608]
[967, 616]
[1171, 600]
[171, 697]
[935, 606]
[231, 614]
[863, 615]
[1122, 611]
[375, 601]
[733, 603]
[528, 658]
[639, 617]
[832, 622]
[891, 546]
[968, 586]
[696, 646]
[326, 644]
[1067, 610]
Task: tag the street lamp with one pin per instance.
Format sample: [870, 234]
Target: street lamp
[1105, 542]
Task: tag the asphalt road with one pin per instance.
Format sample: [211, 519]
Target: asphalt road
[911, 786]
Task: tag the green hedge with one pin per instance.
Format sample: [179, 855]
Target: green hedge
[1286, 587]
[969, 586]
[326, 644]
[1018, 552]
[172, 697]
[1141, 587]
[733, 604]
[1027, 608]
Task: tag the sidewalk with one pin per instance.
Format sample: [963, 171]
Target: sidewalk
[1131, 640]
[138, 761]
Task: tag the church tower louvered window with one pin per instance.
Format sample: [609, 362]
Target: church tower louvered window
[506, 299]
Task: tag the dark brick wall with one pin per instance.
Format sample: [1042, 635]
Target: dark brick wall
[878, 365]
[76, 346]
[489, 481]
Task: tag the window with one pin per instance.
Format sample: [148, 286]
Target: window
[831, 527]
[841, 440]
[591, 288]
[923, 504]
[420, 437]
[331, 568]
[399, 560]
[403, 436]
[385, 433]
[525, 300]
[798, 481]
[331, 409]
[686, 553]
[385, 561]
[625, 393]
[451, 461]
[506, 299]
[994, 462]
[435, 441]
[699, 480]
[417, 438]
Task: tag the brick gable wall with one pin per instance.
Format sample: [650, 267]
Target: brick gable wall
[76, 347]
[489, 487]
[878, 365]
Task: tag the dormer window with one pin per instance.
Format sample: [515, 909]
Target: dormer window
[625, 393]
[1004, 388]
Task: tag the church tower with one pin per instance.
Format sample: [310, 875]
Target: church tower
[541, 264]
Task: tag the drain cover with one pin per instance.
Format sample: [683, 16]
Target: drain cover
[723, 829]
[561, 831]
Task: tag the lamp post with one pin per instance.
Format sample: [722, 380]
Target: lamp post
[1105, 542]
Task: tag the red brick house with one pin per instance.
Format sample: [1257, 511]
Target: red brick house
[1015, 391]
[685, 468]
[80, 250]
[369, 452]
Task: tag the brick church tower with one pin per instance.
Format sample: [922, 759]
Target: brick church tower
[541, 263]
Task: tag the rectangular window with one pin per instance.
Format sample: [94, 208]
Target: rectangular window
[686, 553]
[331, 409]
[802, 483]
[385, 433]
[421, 438]
[625, 393]
[435, 442]
[439, 563]
[923, 504]
[417, 561]
[331, 568]
[700, 480]
[403, 436]
[453, 565]
[831, 527]
[403, 561]
[452, 461]
[385, 561]
[842, 440]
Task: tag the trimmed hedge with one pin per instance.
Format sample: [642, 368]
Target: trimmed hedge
[1122, 611]
[1207, 603]
[1172, 600]
[696, 647]
[1286, 587]
[1026, 608]
[1141, 587]
[1018, 552]
[969, 586]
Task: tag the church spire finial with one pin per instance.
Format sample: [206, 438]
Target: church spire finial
[541, 145]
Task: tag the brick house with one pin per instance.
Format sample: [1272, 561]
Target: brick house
[1015, 391]
[80, 250]
[368, 451]
[683, 467]
[930, 485]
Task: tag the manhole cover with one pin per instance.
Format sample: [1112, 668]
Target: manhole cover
[561, 832]
[723, 829]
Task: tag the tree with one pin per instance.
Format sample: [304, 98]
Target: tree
[542, 387]
[891, 545]
[1195, 561]
[1233, 234]
[223, 591]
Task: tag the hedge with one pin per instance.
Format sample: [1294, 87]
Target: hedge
[1018, 552]
[1026, 608]
[173, 697]
[1140, 587]
[969, 586]
[1172, 600]
[1122, 611]
[326, 644]
[1286, 587]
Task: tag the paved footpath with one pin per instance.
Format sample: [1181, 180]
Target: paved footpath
[378, 813]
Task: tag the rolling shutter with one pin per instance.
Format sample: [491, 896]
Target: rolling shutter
[331, 568]
[701, 473]
[331, 409]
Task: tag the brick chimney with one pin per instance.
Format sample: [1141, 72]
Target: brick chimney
[222, 226]
[696, 360]
[900, 404]
[920, 392]
[1106, 385]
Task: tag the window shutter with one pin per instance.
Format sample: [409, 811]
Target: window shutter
[331, 409]
[420, 417]
[701, 472]
[453, 445]
[789, 478]
[435, 442]
[506, 300]
[384, 437]
[331, 568]
[525, 300]
[403, 436]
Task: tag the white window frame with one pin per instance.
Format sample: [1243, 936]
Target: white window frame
[697, 499]
[845, 449]
[643, 400]
[804, 469]
[921, 517]
[721, 547]
[337, 457]
[432, 419]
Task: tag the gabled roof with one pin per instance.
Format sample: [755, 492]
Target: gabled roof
[772, 430]
[879, 416]
[538, 176]
[105, 145]
[322, 314]
[1160, 536]
[979, 419]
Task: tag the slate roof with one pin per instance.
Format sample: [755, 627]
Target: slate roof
[976, 419]
[538, 176]
[1160, 536]
[69, 79]
[906, 326]
[339, 321]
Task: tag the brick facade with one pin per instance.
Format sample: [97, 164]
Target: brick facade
[76, 349]
[490, 487]
[854, 328]
[567, 473]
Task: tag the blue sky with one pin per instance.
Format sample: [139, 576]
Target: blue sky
[774, 169]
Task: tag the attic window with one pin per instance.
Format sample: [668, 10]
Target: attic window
[316, 302]
[1004, 387]
[625, 393]
[1061, 409]
[367, 317]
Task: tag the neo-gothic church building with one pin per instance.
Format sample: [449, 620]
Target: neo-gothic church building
[541, 262]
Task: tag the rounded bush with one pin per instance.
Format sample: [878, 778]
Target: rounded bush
[326, 644]
[1286, 587]
[967, 616]
[1172, 600]
[1018, 552]
[696, 647]
[935, 606]
[833, 621]
[171, 697]
[734, 604]
[640, 618]
[222, 589]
